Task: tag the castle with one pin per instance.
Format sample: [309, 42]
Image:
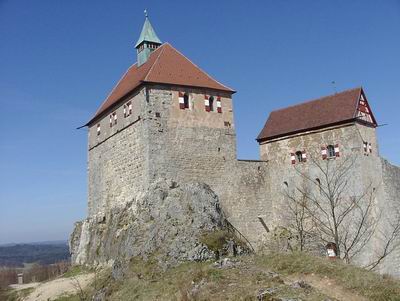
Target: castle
[166, 118]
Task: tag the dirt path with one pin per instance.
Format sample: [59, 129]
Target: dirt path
[62, 286]
[329, 287]
[19, 287]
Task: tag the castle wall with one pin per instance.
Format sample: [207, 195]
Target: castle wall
[160, 140]
[350, 138]
[248, 198]
[191, 144]
[390, 205]
[117, 160]
[194, 145]
[369, 172]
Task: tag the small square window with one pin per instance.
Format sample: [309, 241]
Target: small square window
[127, 109]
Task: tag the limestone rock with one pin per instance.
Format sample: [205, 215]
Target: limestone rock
[166, 221]
[300, 284]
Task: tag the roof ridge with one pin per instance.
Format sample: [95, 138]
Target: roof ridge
[317, 99]
[155, 61]
[115, 86]
[210, 77]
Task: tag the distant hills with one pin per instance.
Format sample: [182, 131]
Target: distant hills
[15, 255]
[49, 242]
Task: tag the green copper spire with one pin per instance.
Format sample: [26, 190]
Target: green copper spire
[148, 34]
[148, 41]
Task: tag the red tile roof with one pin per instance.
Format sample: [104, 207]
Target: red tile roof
[322, 112]
[165, 65]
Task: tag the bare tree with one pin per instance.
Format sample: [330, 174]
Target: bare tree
[388, 242]
[298, 217]
[78, 288]
[337, 209]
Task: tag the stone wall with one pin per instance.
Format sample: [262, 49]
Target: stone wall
[193, 145]
[285, 175]
[117, 161]
[369, 172]
[189, 145]
[390, 204]
[350, 138]
[248, 197]
[160, 140]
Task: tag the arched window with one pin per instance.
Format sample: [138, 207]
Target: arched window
[211, 103]
[186, 101]
[331, 151]
[299, 156]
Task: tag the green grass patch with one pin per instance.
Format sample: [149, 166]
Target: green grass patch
[14, 295]
[215, 240]
[69, 298]
[75, 270]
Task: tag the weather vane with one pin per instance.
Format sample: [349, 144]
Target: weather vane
[145, 13]
[334, 86]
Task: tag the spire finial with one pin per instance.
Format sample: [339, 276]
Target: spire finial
[145, 13]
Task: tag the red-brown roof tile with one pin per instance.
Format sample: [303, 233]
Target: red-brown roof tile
[313, 114]
[165, 65]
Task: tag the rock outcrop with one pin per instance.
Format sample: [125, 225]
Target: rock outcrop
[168, 222]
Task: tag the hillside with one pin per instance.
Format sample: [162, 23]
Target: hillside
[263, 277]
[15, 255]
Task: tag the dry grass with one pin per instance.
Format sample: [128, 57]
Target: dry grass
[13, 295]
[203, 281]
[368, 284]
[145, 280]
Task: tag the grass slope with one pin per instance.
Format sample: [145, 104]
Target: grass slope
[243, 280]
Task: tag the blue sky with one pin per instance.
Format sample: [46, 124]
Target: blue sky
[59, 60]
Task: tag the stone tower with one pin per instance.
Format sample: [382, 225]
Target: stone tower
[164, 118]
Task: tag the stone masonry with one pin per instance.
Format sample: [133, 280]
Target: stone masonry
[158, 139]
